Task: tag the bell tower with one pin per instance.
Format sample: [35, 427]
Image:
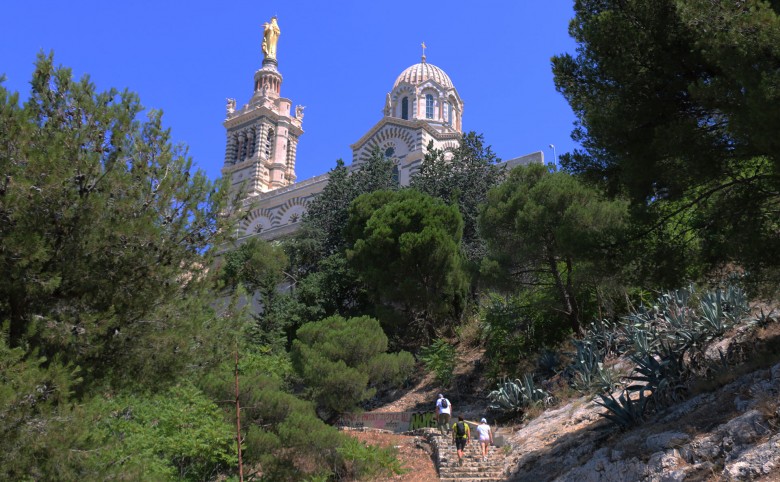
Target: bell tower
[262, 135]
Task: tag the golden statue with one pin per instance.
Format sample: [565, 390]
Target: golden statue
[270, 38]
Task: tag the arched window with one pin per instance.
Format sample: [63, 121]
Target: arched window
[234, 149]
[396, 174]
[449, 113]
[428, 106]
[269, 143]
[405, 108]
[241, 146]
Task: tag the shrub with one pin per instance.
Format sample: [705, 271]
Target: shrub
[513, 329]
[176, 434]
[369, 461]
[439, 358]
[338, 360]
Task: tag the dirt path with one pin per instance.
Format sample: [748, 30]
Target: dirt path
[414, 453]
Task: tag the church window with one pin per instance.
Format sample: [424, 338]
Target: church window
[243, 147]
[405, 108]
[396, 176]
[269, 140]
[449, 114]
[429, 106]
[389, 152]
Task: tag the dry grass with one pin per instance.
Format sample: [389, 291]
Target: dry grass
[470, 333]
[764, 352]
[769, 407]
[413, 453]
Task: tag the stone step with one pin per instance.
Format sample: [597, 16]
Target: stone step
[481, 467]
[475, 465]
[473, 468]
[470, 475]
[473, 479]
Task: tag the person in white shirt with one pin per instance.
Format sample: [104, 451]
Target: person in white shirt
[443, 413]
[485, 437]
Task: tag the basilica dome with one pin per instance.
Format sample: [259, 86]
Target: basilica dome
[423, 92]
[419, 73]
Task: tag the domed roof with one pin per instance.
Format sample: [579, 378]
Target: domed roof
[419, 73]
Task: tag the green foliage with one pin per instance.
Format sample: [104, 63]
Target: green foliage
[332, 289]
[324, 283]
[439, 358]
[406, 248]
[463, 180]
[327, 214]
[256, 264]
[253, 272]
[104, 227]
[275, 423]
[676, 104]
[31, 393]
[337, 357]
[175, 435]
[547, 231]
[369, 461]
[392, 368]
[515, 328]
[179, 428]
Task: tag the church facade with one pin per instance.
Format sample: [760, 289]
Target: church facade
[262, 136]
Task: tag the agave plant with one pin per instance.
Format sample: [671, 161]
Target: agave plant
[549, 362]
[532, 394]
[663, 374]
[765, 318]
[605, 335]
[508, 396]
[624, 411]
[737, 305]
[714, 320]
[643, 340]
[677, 300]
[590, 375]
[514, 395]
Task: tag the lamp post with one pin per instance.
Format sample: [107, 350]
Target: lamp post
[555, 157]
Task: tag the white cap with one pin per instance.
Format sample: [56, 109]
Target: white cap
[483, 421]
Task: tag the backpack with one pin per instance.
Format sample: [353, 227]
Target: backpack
[444, 403]
[460, 429]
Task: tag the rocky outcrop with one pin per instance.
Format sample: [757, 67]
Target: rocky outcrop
[731, 434]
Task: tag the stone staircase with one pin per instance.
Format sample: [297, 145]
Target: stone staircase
[473, 468]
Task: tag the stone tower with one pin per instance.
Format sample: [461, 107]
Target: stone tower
[262, 136]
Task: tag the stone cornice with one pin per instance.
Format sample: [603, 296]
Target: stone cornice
[253, 112]
[287, 189]
[410, 124]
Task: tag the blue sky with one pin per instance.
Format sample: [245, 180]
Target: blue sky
[339, 59]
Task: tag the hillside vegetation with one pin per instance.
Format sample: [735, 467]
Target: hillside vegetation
[634, 273]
